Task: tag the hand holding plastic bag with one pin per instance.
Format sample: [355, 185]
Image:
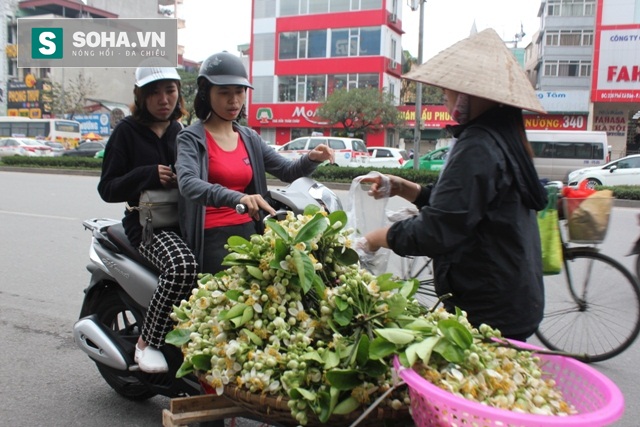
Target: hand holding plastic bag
[366, 213]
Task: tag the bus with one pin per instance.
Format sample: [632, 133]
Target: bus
[556, 153]
[66, 132]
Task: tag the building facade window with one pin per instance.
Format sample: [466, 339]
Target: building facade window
[569, 38]
[303, 44]
[564, 68]
[571, 7]
[316, 88]
[355, 42]
[344, 43]
[310, 7]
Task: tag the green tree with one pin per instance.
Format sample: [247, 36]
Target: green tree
[189, 87]
[70, 97]
[360, 111]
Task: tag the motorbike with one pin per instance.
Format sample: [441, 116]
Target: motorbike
[121, 286]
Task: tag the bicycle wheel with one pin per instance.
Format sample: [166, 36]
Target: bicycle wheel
[592, 308]
[420, 268]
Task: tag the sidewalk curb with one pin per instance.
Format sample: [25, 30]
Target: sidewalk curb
[344, 186]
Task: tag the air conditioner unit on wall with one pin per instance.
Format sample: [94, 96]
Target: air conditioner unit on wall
[393, 18]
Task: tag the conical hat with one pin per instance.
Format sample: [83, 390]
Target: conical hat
[482, 66]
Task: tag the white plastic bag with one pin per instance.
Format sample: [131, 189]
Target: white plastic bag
[365, 214]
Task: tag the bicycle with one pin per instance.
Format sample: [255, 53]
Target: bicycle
[592, 308]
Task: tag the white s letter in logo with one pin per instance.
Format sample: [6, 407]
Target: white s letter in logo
[49, 47]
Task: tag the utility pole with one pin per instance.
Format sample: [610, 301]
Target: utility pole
[417, 131]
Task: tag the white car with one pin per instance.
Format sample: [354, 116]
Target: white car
[348, 151]
[24, 147]
[624, 171]
[386, 157]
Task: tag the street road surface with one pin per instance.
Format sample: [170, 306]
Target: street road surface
[45, 380]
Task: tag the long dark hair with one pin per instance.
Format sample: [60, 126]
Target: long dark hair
[202, 103]
[139, 108]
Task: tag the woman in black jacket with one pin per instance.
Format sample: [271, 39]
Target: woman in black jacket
[140, 156]
[478, 222]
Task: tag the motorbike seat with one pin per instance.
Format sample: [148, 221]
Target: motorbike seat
[119, 238]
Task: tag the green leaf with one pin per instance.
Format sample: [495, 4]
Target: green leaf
[341, 304]
[324, 406]
[409, 288]
[247, 315]
[380, 348]
[316, 226]
[239, 244]
[255, 272]
[311, 210]
[280, 252]
[308, 395]
[238, 259]
[347, 406]
[313, 355]
[305, 269]
[278, 229]
[343, 317]
[346, 257]
[425, 347]
[233, 294]
[180, 313]
[375, 368]
[331, 359]
[362, 356]
[235, 311]
[455, 332]
[185, 369]
[178, 337]
[397, 304]
[449, 351]
[201, 362]
[396, 335]
[336, 216]
[386, 283]
[253, 337]
[344, 379]
[318, 285]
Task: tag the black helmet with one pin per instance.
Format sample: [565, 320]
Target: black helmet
[224, 69]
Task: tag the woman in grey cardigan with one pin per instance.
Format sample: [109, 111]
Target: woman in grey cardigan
[221, 164]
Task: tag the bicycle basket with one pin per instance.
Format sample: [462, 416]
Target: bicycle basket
[597, 399]
[588, 218]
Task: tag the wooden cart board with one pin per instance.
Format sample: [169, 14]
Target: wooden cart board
[187, 410]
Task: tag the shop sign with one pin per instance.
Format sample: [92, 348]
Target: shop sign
[555, 121]
[614, 122]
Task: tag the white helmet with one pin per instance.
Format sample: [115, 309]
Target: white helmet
[146, 75]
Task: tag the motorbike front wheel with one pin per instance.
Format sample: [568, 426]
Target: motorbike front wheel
[115, 315]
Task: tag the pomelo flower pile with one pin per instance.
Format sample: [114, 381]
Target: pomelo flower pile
[294, 314]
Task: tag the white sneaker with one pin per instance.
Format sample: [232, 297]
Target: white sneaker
[150, 360]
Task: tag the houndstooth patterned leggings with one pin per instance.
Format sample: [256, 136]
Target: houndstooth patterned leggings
[179, 272]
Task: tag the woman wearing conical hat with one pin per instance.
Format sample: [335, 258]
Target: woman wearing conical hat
[478, 222]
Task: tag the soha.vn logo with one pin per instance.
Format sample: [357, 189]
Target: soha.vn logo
[46, 43]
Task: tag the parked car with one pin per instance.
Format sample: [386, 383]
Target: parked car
[56, 148]
[24, 147]
[86, 149]
[624, 171]
[386, 157]
[432, 161]
[348, 151]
